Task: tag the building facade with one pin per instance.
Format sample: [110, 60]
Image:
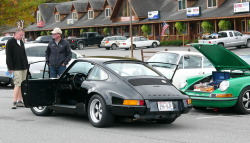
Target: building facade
[96, 15]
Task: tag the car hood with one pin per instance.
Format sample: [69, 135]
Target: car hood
[221, 58]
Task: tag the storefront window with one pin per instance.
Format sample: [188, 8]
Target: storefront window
[211, 3]
[248, 25]
[182, 4]
[243, 26]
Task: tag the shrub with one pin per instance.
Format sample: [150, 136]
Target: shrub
[145, 29]
[207, 26]
[224, 25]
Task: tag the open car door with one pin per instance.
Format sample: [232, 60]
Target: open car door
[38, 89]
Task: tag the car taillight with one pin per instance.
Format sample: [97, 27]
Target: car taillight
[124, 43]
[134, 102]
[107, 42]
[209, 42]
[73, 41]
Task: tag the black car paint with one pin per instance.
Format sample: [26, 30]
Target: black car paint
[108, 89]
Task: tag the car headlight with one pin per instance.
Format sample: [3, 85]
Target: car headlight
[182, 84]
[224, 85]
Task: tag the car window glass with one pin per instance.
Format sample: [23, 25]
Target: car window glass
[36, 70]
[124, 38]
[143, 39]
[231, 34]
[36, 51]
[74, 56]
[97, 74]
[207, 63]
[222, 35]
[6, 38]
[91, 35]
[164, 58]
[132, 69]
[81, 67]
[191, 62]
[237, 33]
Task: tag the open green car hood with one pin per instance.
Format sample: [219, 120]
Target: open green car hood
[221, 58]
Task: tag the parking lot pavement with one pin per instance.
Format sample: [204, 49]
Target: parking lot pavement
[95, 51]
[21, 125]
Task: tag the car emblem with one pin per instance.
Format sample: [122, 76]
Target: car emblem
[164, 81]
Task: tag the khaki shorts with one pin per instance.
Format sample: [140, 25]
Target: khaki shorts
[19, 77]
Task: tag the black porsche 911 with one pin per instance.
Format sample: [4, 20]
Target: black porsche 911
[105, 88]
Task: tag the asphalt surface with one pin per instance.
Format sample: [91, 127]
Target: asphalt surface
[22, 126]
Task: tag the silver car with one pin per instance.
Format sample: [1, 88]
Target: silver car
[34, 51]
[112, 42]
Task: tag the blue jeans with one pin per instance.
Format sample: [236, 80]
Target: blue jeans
[56, 72]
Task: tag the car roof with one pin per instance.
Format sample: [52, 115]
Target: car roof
[182, 52]
[27, 45]
[103, 59]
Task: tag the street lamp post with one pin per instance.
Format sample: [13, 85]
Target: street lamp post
[130, 30]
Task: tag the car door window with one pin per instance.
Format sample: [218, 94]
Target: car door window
[180, 65]
[36, 51]
[97, 74]
[143, 39]
[237, 33]
[81, 67]
[38, 70]
[231, 34]
[191, 62]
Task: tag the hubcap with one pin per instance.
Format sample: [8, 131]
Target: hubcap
[96, 110]
[81, 46]
[39, 108]
[246, 100]
[113, 46]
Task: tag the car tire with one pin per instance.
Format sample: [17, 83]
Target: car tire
[126, 48]
[107, 48]
[248, 43]
[220, 44]
[41, 110]
[166, 121]
[243, 101]
[199, 108]
[113, 46]
[81, 46]
[98, 114]
[238, 47]
[154, 45]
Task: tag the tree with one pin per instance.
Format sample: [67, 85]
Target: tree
[92, 29]
[207, 26]
[224, 25]
[180, 27]
[146, 30]
[13, 10]
[82, 31]
[106, 30]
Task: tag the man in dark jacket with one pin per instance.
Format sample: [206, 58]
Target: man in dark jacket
[58, 54]
[17, 64]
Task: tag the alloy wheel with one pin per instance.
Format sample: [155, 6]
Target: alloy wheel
[39, 109]
[96, 110]
[246, 100]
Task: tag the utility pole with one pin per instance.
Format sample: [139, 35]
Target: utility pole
[130, 30]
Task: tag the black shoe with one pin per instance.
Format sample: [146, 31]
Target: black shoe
[19, 104]
[14, 105]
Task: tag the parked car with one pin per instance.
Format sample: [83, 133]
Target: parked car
[43, 39]
[106, 88]
[112, 42]
[189, 64]
[229, 38]
[228, 86]
[3, 41]
[34, 51]
[139, 41]
[87, 38]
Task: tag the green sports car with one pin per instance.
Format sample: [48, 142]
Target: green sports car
[228, 86]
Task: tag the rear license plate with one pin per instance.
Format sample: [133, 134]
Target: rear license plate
[165, 106]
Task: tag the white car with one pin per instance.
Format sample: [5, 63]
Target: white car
[35, 52]
[189, 64]
[139, 41]
[3, 41]
[112, 42]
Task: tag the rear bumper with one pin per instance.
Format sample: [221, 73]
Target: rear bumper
[150, 111]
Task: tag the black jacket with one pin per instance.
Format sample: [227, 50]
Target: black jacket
[16, 58]
[59, 54]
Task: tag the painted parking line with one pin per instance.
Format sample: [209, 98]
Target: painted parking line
[212, 117]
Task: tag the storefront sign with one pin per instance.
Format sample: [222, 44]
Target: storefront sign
[241, 7]
[127, 18]
[40, 24]
[194, 11]
[153, 15]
